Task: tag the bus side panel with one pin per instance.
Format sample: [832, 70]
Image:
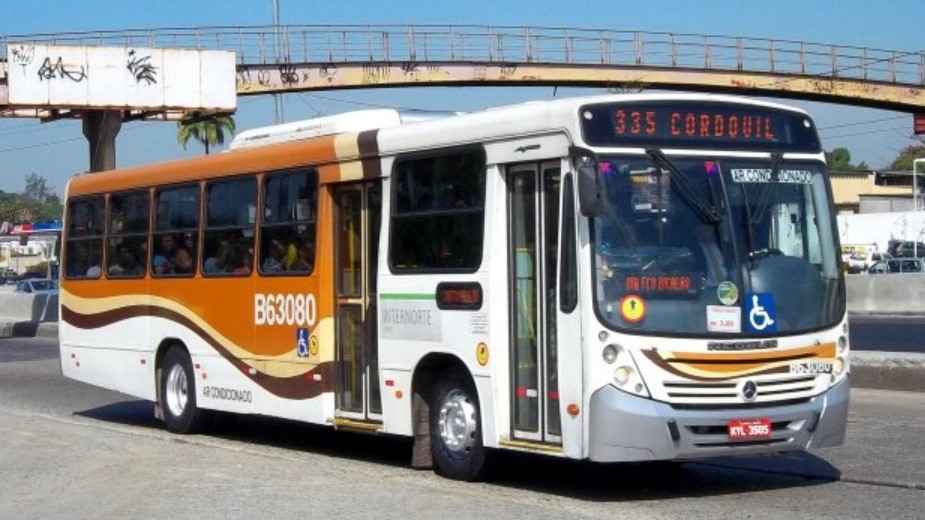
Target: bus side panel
[126, 370]
[104, 345]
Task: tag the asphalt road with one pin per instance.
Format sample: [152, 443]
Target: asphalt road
[887, 333]
[69, 450]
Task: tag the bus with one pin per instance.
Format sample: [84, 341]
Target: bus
[611, 278]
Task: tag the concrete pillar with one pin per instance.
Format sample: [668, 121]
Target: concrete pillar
[101, 128]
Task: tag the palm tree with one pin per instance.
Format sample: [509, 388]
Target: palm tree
[209, 130]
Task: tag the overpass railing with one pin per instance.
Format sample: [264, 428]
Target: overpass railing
[516, 45]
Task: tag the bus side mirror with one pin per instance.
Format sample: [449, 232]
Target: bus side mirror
[590, 194]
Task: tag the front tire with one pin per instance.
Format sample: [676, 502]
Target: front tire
[178, 393]
[456, 429]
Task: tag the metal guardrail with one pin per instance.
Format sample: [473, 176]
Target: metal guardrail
[514, 44]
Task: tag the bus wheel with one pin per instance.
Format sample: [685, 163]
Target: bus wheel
[455, 430]
[178, 390]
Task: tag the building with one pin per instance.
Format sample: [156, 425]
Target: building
[868, 191]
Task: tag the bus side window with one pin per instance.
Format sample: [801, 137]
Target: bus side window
[438, 212]
[228, 241]
[287, 226]
[127, 235]
[83, 249]
[175, 246]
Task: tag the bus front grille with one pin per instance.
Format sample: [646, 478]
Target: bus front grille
[771, 391]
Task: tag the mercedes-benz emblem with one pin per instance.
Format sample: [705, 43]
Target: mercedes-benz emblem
[749, 391]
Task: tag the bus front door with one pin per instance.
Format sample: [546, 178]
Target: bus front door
[533, 214]
[358, 210]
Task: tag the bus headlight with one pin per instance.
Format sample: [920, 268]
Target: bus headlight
[622, 375]
[842, 344]
[838, 367]
[626, 376]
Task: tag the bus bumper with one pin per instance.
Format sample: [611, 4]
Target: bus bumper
[624, 427]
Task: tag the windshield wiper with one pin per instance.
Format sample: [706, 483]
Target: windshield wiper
[749, 222]
[704, 209]
[754, 215]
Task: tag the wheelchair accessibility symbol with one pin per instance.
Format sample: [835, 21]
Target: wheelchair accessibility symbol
[302, 342]
[760, 310]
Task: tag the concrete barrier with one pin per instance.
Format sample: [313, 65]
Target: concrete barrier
[22, 314]
[886, 293]
[888, 371]
[29, 307]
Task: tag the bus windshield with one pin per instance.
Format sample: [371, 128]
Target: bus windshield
[693, 246]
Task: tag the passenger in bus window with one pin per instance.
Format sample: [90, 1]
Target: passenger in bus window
[221, 261]
[77, 261]
[94, 270]
[183, 261]
[162, 263]
[125, 264]
[306, 258]
[246, 263]
[273, 263]
[189, 242]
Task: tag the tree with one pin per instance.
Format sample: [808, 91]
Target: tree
[38, 201]
[903, 161]
[37, 190]
[839, 160]
[11, 207]
[208, 130]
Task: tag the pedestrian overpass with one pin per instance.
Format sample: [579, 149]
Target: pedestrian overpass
[297, 58]
[322, 57]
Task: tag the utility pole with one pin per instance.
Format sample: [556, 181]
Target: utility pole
[277, 97]
[915, 203]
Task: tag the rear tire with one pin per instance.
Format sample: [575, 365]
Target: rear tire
[456, 428]
[178, 393]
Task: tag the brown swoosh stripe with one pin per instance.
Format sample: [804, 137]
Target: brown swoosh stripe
[302, 386]
[726, 365]
[368, 145]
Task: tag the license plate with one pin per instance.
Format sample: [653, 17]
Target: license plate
[745, 429]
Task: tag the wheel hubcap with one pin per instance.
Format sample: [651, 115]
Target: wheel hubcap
[176, 390]
[457, 421]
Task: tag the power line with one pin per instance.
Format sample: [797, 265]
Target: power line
[856, 123]
[39, 145]
[317, 112]
[62, 141]
[362, 104]
[868, 132]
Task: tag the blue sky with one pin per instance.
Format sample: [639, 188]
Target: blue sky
[57, 149]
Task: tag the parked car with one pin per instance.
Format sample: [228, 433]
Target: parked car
[8, 276]
[860, 262]
[907, 249]
[898, 265]
[37, 286]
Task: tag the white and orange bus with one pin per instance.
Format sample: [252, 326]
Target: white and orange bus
[614, 278]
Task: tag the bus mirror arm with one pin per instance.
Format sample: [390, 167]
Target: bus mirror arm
[590, 193]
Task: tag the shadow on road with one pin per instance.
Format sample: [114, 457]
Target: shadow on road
[129, 413]
[659, 480]
[574, 479]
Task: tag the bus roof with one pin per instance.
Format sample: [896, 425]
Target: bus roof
[337, 138]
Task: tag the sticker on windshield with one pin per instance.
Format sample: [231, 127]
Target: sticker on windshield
[724, 319]
[728, 293]
[766, 175]
[711, 167]
[759, 308]
[633, 308]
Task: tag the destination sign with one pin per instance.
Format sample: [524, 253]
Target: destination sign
[716, 125]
